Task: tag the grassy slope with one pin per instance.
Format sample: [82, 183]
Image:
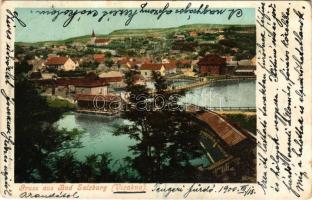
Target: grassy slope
[141, 32]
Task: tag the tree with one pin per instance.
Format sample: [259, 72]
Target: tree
[228, 43]
[62, 53]
[138, 93]
[35, 136]
[189, 38]
[109, 63]
[18, 50]
[89, 65]
[22, 67]
[166, 144]
[94, 169]
[41, 149]
[131, 53]
[159, 82]
[108, 54]
[166, 141]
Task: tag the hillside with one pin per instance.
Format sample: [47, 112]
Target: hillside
[119, 34]
[174, 29]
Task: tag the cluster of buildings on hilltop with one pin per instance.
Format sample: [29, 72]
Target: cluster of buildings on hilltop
[210, 64]
[108, 77]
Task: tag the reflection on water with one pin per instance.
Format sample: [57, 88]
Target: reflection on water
[181, 83]
[226, 94]
[98, 136]
[173, 83]
[98, 130]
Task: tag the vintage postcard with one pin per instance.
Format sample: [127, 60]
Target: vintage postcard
[156, 99]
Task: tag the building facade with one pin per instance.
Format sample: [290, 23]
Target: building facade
[212, 64]
[59, 63]
[148, 68]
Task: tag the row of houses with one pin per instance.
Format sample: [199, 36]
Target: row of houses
[181, 37]
[85, 90]
[213, 64]
[210, 64]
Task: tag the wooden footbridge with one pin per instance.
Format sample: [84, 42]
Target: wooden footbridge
[203, 82]
[220, 108]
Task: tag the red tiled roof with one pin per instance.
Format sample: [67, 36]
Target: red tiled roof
[56, 60]
[89, 84]
[35, 75]
[211, 59]
[92, 97]
[184, 62]
[146, 60]
[137, 77]
[101, 40]
[151, 66]
[99, 57]
[173, 61]
[123, 60]
[81, 82]
[134, 63]
[227, 132]
[112, 79]
[169, 66]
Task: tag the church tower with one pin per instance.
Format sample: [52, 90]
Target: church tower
[93, 38]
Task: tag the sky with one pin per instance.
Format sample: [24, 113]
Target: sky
[41, 27]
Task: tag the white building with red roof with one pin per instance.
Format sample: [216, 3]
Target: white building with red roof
[98, 41]
[147, 69]
[60, 63]
[114, 78]
[163, 68]
[170, 68]
[101, 42]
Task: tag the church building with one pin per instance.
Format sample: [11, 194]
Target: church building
[98, 41]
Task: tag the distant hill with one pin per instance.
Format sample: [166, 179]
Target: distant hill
[119, 34]
[162, 31]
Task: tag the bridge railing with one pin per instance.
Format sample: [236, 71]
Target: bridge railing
[202, 82]
[218, 108]
[232, 108]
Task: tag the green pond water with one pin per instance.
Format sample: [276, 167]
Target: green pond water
[223, 94]
[98, 137]
[175, 83]
[98, 130]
